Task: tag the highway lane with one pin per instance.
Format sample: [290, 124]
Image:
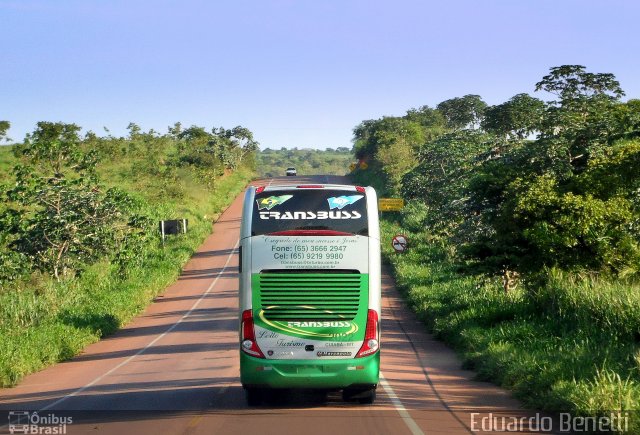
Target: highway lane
[175, 368]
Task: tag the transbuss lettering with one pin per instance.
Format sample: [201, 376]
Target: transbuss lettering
[301, 215]
[319, 324]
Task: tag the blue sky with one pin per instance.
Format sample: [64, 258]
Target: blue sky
[296, 73]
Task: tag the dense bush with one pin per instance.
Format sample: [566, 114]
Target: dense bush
[507, 202]
[86, 209]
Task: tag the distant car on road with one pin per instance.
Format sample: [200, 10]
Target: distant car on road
[291, 172]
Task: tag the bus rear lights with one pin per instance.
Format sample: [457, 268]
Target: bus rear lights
[260, 189]
[249, 344]
[371, 338]
[355, 368]
[360, 189]
[263, 368]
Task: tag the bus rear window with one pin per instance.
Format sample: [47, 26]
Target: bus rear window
[309, 210]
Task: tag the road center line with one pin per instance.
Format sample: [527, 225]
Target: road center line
[141, 351]
[404, 414]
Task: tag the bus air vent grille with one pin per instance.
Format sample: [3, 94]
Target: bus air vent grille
[308, 296]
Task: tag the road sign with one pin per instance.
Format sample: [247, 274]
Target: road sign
[176, 226]
[352, 167]
[363, 165]
[390, 204]
[400, 243]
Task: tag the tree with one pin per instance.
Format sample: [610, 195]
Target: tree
[4, 127]
[398, 141]
[175, 130]
[517, 118]
[231, 146]
[627, 118]
[567, 199]
[463, 112]
[365, 145]
[441, 179]
[194, 134]
[583, 119]
[64, 218]
[134, 130]
[571, 83]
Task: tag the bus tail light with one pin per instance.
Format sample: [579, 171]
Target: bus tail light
[360, 189]
[371, 336]
[248, 342]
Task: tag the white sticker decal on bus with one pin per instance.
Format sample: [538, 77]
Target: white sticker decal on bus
[340, 202]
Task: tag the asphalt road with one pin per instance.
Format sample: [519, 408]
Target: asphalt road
[175, 369]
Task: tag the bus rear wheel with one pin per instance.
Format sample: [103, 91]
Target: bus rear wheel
[365, 396]
[254, 396]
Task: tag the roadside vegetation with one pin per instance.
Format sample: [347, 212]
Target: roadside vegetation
[80, 251]
[273, 163]
[523, 220]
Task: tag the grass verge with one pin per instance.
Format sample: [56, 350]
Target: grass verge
[572, 345]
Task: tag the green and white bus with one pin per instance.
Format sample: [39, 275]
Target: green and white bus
[310, 290]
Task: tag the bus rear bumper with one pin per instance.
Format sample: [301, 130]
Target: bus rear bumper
[337, 373]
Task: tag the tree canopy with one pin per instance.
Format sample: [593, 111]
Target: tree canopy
[526, 184]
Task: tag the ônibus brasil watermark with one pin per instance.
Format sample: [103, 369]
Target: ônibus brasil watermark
[615, 422]
[28, 422]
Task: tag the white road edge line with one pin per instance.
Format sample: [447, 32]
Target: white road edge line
[404, 414]
[141, 351]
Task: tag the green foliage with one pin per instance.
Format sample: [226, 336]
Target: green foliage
[4, 127]
[571, 83]
[568, 199]
[557, 217]
[627, 118]
[432, 121]
[542, 215]
[397, 141]
[112, 192]
[583, 119]
[392, 142]
[463, 112]
[518, 117]
[59, 217]
[568, 346]
[216, 151]
[573, 231]
[442, 177]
